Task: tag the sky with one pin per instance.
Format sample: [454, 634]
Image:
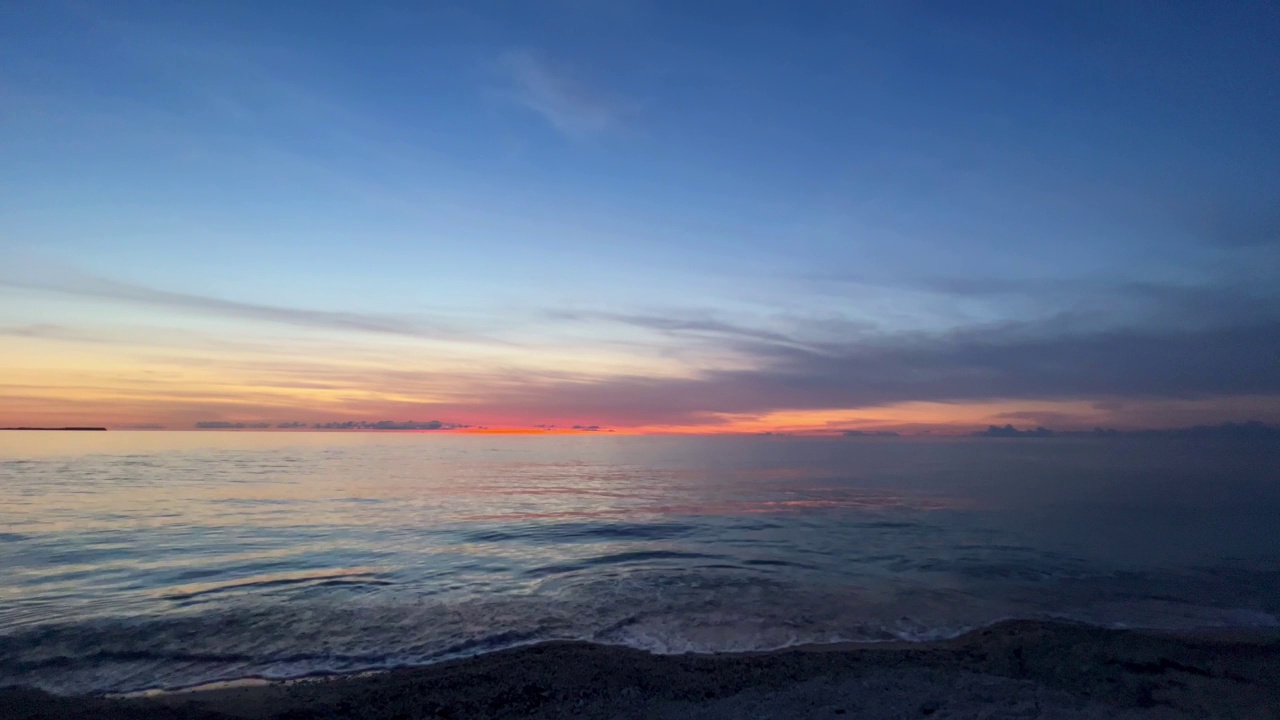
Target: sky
[641, 216]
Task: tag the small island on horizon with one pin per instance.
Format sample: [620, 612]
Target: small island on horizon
[94, 429]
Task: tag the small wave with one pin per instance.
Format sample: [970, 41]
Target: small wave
[617, 559]
[886, 525]
[579, 532]
[778, 563]
[351, 576]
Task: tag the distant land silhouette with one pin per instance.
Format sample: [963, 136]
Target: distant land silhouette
[349, 425]
[1250, 430]
[95, 429]
[1009, 431]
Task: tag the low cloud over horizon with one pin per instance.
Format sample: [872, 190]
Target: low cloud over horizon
[1071, 372]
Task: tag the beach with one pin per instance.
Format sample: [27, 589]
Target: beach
[1015, 669]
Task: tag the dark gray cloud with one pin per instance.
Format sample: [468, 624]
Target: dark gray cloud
[1154, 304]
[1048, 418]
[1210, 300]
[1017, 362]
[1014, 362]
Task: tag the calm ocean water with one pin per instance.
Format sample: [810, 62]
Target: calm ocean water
[142, 560]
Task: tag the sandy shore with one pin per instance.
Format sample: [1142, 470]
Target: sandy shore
[1012, 670]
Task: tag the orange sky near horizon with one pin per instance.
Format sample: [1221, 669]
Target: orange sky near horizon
[159, 372]
[911, 418]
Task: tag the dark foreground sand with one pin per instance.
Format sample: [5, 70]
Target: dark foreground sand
[1012, 670]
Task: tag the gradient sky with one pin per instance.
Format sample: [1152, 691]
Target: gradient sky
[640, 215]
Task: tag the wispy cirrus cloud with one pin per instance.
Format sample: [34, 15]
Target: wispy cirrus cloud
[683, 325]
[48, 331]
[565, 102]
[88, 286]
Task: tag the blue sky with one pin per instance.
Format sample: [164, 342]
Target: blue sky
[619, 195]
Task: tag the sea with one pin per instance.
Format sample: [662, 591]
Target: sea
[161, 560]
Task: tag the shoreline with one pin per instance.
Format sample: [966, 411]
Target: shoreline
[1223, 635]
[1015, 668]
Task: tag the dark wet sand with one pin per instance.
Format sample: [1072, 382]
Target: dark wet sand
[1012, 670]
